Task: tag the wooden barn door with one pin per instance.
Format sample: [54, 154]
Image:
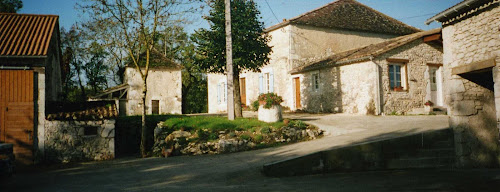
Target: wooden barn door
[243, 91]
[17, 112]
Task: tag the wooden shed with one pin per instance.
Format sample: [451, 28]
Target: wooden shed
[30, 59]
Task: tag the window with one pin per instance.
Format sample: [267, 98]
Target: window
[315, 81]
[397, 77]
[266, 84]
[432, 76]
[222, 92]
[155, 107]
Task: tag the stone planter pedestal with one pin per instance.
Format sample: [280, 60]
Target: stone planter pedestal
[270, 115]
[428, 108]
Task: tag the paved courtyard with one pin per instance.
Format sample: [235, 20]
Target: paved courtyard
[241, 171]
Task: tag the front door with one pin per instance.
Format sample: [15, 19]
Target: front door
[297, 92]
[436, 85]
[17, 112]
[243, 92]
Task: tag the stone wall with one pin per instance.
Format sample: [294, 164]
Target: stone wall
[67, 141]
[164, 85]
[418, 54]
[474, 110]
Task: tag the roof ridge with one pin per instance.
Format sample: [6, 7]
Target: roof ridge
[387, 16]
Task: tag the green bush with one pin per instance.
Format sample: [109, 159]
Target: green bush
[258, 138]
[216, 124]
[255, 105]
[245, 137]
[297, 124]
[265, 130]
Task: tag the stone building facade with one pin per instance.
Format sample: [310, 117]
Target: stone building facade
[164, 94]
[471, 40]
[305, 38]
[359, 81]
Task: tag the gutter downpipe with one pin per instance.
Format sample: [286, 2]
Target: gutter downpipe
[378, 98]
[443, 14]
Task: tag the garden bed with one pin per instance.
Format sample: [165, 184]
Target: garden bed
[213, 135]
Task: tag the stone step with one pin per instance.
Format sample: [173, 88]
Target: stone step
[427, 162]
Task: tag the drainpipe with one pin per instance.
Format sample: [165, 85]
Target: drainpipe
[378, 99]
[15, 67]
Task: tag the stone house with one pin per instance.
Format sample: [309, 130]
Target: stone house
[395, 76]
[471, 44]
[164, 91]
[334, 28]
[30, 76]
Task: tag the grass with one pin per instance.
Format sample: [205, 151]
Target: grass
[216, 124]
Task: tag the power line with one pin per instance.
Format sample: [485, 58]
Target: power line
[272, 11]
[417, 16]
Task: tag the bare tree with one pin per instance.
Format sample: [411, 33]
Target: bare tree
[137, 23]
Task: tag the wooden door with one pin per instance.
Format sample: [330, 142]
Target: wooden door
[297, 92]
[243, 91]
[17, 112]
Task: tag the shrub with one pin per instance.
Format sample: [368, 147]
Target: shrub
[255, 105]
[297, 124]
[245, 137]
[258, 138]
[265, 130]
[270, 99]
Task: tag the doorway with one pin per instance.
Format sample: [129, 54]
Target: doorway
[296, 82]
[436, 84]
[243, 91]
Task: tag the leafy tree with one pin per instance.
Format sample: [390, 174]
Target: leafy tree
[10, 6]
[250, 49]
[137, 24]
[72, 43]
[95, 68]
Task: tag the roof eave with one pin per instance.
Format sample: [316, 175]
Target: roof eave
[455, 9]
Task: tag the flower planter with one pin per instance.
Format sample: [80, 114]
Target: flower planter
[270, 115]
[428, 108]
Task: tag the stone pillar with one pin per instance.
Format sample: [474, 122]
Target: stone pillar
[40, 112]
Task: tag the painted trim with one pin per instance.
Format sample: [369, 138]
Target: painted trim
[397, 60]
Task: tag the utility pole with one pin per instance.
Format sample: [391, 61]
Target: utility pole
[229, 62]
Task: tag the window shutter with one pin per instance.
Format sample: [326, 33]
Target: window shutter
[271, 82]
[225, 92]
[218, 93]
[261, 85]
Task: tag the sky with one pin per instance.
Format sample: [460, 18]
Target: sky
[411, 12]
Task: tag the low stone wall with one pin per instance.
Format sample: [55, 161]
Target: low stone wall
[67, 141]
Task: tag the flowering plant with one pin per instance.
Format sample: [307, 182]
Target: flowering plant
[429, 103]
[269, 99]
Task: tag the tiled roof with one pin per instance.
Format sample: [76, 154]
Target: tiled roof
[462, 10]
[364, 53]
[26, 35]
[350, 15]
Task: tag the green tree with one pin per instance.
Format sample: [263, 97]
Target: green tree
[10, 6]
[95, 68]
[250, 49]
[72, 43]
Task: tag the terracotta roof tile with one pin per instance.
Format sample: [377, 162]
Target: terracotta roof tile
[26, 35]
[363, 53]
[350, 15]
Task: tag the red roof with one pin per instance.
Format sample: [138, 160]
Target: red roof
[26, 35]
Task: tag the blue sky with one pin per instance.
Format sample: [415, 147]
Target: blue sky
[412, 12]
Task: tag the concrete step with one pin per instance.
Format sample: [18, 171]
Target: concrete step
[427, 162]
